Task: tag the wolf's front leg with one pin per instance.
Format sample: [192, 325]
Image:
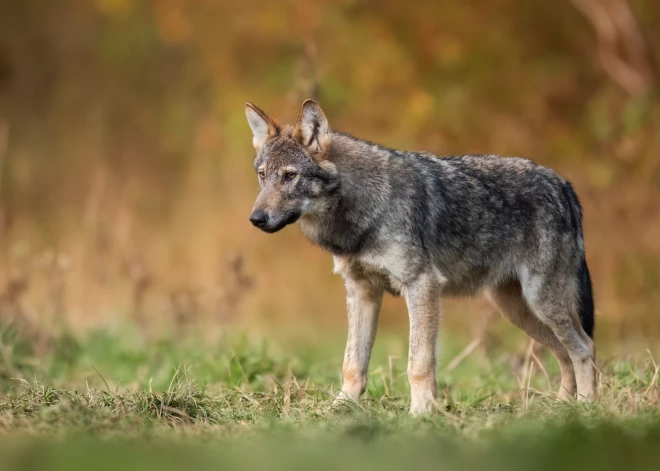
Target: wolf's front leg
[423, 301]
[364, 300]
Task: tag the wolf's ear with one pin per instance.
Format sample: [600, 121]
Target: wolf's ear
[312, 128]
[263, 126]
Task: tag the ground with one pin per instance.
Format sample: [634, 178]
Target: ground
[114, 399]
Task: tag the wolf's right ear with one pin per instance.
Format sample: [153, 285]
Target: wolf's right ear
[263, 126]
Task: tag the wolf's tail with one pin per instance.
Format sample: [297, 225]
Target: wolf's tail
[585, 292]
[586, 301]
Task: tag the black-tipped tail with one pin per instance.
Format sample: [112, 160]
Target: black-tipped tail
[586, 308]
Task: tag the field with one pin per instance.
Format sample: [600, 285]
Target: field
[112, 399]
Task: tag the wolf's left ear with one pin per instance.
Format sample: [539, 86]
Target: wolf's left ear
[263, 126]
[312, 129]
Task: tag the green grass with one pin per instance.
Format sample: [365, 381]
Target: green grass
[112, 399]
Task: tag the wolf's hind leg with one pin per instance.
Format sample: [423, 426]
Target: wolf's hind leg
[364, 299]
[509, 300]
[554, 301]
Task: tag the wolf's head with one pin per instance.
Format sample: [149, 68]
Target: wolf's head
[292, 167]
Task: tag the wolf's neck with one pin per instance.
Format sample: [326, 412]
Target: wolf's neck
[350, 146]
[360, 202]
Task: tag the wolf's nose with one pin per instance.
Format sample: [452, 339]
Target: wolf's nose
[258, 218]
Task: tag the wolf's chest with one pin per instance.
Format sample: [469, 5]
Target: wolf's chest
[391, 264]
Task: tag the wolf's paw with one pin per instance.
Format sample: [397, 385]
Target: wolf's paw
[422, 408]
[344, 402]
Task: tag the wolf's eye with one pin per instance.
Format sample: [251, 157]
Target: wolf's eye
[261, 174]
[288, 176]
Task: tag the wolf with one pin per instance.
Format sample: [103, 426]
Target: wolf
[426, 227]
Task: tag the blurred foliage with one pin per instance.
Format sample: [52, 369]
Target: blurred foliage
[361, 446]
[126, 178]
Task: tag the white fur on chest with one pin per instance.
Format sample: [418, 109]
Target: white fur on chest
[392, 262]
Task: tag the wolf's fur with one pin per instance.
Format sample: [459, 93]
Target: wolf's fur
[424, 227]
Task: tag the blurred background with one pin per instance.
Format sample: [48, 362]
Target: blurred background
[126, 176]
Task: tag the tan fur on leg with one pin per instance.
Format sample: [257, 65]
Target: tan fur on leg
[364, 299]
[423, 300]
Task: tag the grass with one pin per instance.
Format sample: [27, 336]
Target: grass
[111, 399]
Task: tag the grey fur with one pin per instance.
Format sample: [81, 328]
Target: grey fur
[424, 227]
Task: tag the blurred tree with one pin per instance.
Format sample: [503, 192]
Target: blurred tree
[128, 144]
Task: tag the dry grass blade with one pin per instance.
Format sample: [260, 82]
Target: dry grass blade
[286, 407]
[466, 352]
[542, 368]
